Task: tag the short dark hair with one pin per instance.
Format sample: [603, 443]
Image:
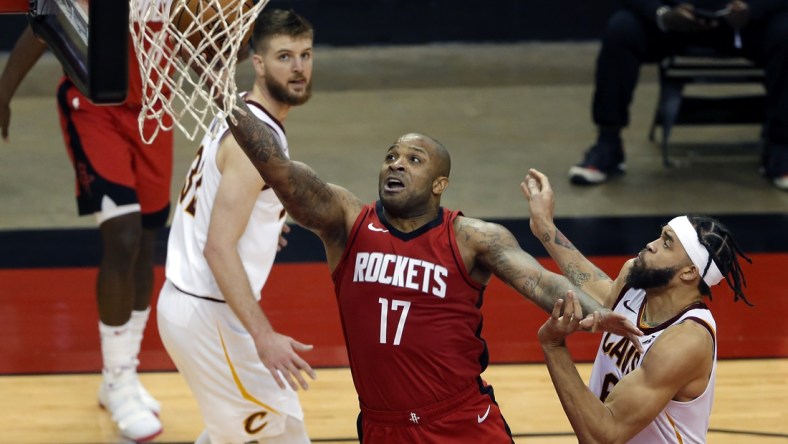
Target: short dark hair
[274, 22]
[444, 159]
[719, 242]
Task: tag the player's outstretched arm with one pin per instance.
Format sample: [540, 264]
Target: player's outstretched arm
[23, 57]
[574, 265]
[327, 209]
[496, 249]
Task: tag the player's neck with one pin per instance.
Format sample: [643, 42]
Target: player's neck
[665, 303]
[409, 223]
[274, 107]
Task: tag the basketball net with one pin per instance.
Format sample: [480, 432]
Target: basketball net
[174, 94]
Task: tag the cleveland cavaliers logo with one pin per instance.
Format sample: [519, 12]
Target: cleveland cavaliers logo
[255, 422]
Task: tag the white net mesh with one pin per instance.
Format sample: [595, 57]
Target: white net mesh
[208, 34]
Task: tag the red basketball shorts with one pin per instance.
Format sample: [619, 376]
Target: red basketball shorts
[470, 417]
[114, 167]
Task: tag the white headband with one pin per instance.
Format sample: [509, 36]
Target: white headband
[695, 250]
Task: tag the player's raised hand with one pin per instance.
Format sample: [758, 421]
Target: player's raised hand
[541, 203]
[279, 355]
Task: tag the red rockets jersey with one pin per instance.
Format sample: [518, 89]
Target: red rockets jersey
[410, 312]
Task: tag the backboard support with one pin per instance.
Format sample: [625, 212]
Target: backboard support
[92, 47]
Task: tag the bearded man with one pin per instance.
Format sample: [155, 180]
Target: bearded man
[664, 393]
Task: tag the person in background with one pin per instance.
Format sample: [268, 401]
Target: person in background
[646, 31]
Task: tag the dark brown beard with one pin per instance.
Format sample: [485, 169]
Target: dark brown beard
[644, 278]
[280, 93]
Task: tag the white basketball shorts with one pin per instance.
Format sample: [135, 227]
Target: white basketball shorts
[239, 400]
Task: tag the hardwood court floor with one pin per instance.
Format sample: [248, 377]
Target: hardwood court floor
[749, 406]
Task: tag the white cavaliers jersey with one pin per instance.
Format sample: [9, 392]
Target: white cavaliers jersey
[679, 422]
[186, 266]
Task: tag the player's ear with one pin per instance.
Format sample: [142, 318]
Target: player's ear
[440, 184]
[259, 65]
[690, 272]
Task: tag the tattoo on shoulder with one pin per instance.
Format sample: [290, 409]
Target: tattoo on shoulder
[486, 235]
[465, 229]
[493, 246]
[255, 137]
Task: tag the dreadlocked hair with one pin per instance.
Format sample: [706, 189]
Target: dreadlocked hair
[719, 242]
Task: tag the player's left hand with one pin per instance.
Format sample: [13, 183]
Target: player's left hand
[563, 321]
[279, 355]
[559, 326]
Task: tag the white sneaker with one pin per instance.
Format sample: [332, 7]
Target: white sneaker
[122, 400]
[147, 399]
[150, 402]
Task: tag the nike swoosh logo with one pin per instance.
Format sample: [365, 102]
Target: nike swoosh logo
[374, 228]
[628, 308]
[480, 419]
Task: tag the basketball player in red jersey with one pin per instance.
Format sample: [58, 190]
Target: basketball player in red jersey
[409, 277]
[125, 185]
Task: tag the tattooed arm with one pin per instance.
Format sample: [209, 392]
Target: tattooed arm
[488, 248]
[576, 267]
[326, 209]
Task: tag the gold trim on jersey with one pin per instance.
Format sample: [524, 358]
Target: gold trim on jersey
[244, 393]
